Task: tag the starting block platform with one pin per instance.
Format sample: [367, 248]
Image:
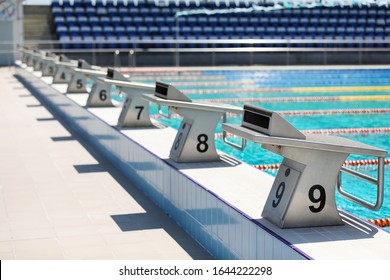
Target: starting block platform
[219, 203]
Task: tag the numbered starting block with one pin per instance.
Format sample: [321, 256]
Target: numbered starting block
[303, 193]
[135, 110]
[49, 64]
[62, 72]
[26, 54]
[194, 140]
[79, 76]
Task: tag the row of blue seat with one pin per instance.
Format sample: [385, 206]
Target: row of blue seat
[209, 32]
[306, 23]
[213, 21]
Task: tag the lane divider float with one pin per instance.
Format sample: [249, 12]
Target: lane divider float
[335, 131]
[384, 222]
[362, 162]
[299, 99]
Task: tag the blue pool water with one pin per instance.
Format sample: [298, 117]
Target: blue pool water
[288, 81]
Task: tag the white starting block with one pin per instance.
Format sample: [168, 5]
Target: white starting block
[79, 75]
[135, 110]
[49, 64]
[62, 72]
[26, 54]
[38, 60]
[31, 57]
[303, 193]
[194, 140]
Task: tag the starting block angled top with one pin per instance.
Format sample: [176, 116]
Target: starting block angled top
[303, 193]
[194, 140]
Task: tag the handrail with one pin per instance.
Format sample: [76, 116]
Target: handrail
[379, 182]
[161, 112]
[229, 143]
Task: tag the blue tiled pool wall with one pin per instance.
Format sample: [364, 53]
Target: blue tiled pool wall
[220, 228]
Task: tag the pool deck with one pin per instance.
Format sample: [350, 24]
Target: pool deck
[59, 199]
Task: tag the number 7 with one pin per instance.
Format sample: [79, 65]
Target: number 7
[140, 108]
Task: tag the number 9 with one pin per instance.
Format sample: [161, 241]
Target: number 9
[320, 199]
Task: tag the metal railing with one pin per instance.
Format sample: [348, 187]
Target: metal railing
[178, 47]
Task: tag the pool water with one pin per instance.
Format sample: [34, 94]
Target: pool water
[365, 89]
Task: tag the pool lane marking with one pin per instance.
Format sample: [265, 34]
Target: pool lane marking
[346, 163]
[300, 99]
[331, 131]
[290, 90]
[309, 112]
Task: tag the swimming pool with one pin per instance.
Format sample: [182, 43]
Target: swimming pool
[308, 99]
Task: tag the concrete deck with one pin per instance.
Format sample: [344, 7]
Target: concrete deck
[59, 199]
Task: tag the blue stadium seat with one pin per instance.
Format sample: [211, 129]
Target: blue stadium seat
[127, 20]
[123, 41]
[90, 11]
[123, 11]
[112, 11]
[105, 20]
[74, 30]
[108, 30]
[101, 11]
[142, 31]
[65, 42]
[99, 41]
[77, 42]
[57, 11]
[59, 21]
[120, 30]
[85, 30]
[165, 31]
[55, 4]
[79, 3]
[79, 11]
[153, 31]
[149, 21]
[112, 41]
[97, 30]
[71, 21]
[82, 21]
[131, 30]
[93, 20]
[116, 21]
[62, 31]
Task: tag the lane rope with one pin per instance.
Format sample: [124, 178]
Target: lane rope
[300, 99]
[384, 222]
[314, 112]
[291, 90]
[339, 131]
[362, 162]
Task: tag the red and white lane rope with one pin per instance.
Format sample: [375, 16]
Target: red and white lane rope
[349, 130]
[335, 131]
[334, 112]
[300, 99]
[361, 162]
[317, 112]
[384, 222]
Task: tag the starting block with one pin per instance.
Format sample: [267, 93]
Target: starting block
[135, 110]
[62, 72]
[80, 74]
[194, 140]
[303, 193]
